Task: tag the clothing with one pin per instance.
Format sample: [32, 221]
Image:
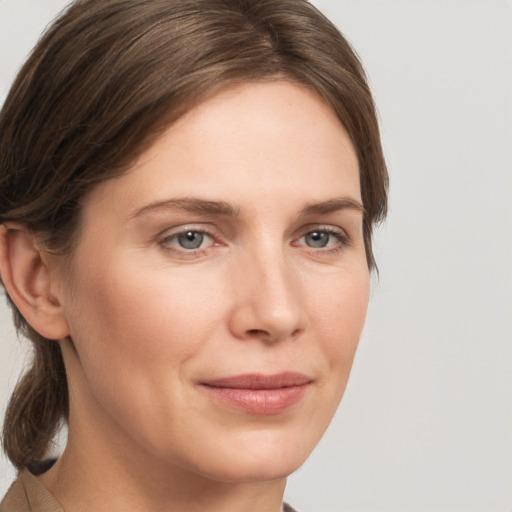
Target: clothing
[27, 494]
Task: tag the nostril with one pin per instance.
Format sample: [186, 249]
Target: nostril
[296, 333]
[269, 336]
[258, 333]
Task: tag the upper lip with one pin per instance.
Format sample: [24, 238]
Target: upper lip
[260, 381]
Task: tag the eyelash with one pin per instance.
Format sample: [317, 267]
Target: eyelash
[339, 234]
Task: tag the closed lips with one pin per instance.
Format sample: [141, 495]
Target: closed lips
[259, 381]
[259, 394]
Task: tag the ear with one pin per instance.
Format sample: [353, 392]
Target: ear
[28, 281]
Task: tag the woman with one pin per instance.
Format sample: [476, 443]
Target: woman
[188, 191]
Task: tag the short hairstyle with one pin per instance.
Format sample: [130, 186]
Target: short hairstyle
[103, 82]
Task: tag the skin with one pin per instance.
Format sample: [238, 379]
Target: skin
[143, 321]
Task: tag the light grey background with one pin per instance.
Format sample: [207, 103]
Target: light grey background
[426, 422]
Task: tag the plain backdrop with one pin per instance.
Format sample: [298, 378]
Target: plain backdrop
[426, 421]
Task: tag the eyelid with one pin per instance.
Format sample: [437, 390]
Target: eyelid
[184, 228]
[327, 228]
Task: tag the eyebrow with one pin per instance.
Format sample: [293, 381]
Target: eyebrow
[331, 206]
[225, 209]
[192, 205]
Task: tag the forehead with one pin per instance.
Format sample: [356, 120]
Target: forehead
[264, 110]
[244, 142]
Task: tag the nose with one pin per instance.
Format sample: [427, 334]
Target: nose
[269, 304]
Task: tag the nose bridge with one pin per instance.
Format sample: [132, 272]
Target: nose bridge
[270, 303]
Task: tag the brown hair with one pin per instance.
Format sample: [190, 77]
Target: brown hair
[102, 82]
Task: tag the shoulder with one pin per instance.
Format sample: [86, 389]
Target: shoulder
[27, 494]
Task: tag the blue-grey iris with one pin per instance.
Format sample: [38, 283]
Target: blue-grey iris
[191, 240]
[317, 239]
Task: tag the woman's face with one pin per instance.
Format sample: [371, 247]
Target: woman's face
[219, 289]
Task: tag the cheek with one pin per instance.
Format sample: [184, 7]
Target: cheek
[337, 316]
[340, 315]
[141, 313]
[137, 333]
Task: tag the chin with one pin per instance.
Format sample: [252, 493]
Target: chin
[250, 472]
[258, 458]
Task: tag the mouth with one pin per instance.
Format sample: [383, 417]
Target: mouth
[258, 393]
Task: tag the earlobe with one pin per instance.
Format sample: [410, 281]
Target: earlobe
[28, 282]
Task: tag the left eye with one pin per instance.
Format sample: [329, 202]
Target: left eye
[320, 239]
[189, 240]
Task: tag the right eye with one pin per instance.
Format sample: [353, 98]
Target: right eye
[188, 240]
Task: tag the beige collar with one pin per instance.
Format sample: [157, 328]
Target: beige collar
[27, 494]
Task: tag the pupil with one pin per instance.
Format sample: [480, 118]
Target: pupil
[191, 240]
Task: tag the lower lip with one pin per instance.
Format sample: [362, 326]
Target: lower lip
[259, 401]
